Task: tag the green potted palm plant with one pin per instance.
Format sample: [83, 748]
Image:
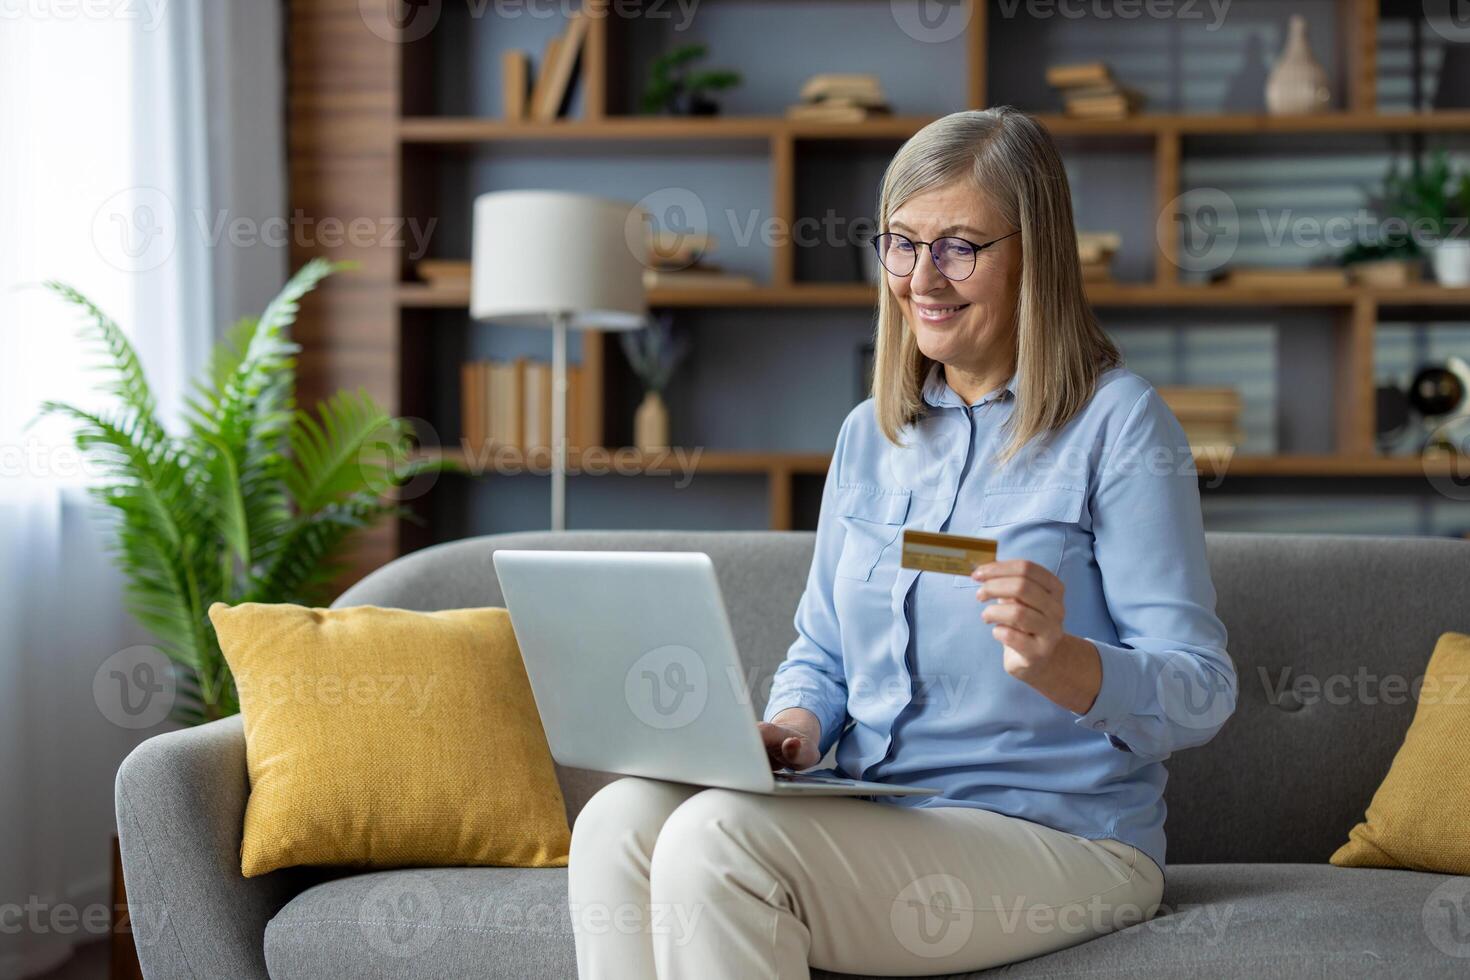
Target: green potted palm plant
[252, 501]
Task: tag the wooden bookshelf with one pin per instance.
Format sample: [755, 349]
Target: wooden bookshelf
[361, 135]
[1114, 294]
[463, 131]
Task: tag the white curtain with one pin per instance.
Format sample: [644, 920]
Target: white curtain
[127, 132]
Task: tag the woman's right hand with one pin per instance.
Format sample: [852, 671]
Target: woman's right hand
[791, 739]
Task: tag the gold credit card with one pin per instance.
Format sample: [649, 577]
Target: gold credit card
[953, 554]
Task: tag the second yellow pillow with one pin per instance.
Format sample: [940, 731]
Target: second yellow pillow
[1417, 817]
[381, 738]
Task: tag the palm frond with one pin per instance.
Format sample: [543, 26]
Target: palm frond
[253, 502]
[304, 564]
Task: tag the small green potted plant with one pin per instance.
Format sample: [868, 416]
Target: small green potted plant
[675, 88]
[1432, 202]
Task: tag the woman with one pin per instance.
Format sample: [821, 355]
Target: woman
[1040, 695]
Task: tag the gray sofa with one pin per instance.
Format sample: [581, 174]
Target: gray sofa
[1253, 815]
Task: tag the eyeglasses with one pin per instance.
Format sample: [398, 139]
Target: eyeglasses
[953, 257]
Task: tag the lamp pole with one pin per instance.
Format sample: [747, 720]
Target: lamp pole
[559, 420]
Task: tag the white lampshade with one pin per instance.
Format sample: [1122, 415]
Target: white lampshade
[536, 254]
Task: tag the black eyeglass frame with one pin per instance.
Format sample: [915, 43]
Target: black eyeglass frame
[978, 247]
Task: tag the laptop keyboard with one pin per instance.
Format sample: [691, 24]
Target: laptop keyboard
[803, 777]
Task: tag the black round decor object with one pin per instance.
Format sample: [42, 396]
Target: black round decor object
[1435, 391]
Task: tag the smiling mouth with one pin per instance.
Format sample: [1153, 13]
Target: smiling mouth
[938, 314]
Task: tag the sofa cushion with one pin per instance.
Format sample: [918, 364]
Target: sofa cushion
[1417, 817]
[1217, 921]
[381, 738]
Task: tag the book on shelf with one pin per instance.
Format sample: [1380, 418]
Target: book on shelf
[856, 88]
[694, 278]
[558, 66]
[1089, 91]
[515, 74]
[444, 273]
[1202, 405]
[1087, 74]
[509, 403]
[542, 81]
[838, 97]
[1109, 105]
[1325, 277]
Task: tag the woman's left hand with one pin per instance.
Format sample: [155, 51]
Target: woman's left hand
[1027, 620]
[1027, 614]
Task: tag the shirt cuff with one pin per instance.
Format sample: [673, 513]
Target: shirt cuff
[827, 718]
[1116, 697]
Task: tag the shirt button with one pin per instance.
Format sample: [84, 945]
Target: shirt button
[1099, 725]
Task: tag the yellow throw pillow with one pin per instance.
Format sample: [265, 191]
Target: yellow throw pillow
[1417, 817]
[381, 738]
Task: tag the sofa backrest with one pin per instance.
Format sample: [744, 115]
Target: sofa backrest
[1327, 632]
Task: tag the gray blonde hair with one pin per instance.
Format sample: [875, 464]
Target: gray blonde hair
[1011, 159]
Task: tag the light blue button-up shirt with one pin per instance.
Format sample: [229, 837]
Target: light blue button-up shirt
[907, 679]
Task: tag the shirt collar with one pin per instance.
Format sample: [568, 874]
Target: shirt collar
[938, 392]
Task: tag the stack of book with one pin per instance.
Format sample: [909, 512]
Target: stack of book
[680, 260]
[444, 273]
[1089, 91]
[508, 403]
[1316, 277]
[1210, 416]
[1095, 251]
[840, 98]
[520, 100]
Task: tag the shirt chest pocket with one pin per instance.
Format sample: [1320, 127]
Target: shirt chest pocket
[1028, 522]
[871, 521]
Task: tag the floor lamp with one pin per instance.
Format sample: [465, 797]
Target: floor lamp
[560, 260]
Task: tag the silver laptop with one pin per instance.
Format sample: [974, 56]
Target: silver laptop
[633, 665]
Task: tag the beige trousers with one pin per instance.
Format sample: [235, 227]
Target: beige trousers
[675, 882]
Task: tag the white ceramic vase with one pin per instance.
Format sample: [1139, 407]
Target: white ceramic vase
[1451, 261]
[1297, 83]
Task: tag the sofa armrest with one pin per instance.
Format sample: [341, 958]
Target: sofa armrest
[180, 814]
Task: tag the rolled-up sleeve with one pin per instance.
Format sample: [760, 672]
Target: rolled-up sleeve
[812, 675]
[1168, 684]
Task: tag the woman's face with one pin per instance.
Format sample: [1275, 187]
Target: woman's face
[968, 324]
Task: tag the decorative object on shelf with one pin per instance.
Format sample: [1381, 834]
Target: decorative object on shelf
[1303, 277]
[508, 403]
[676, 89]
[1449, 254]
[1210, 416]
[840, 98]
[680, 260]
[1438, 394]
[252, 503]
[1390, 416]
[1089, 91]
[1431, 200]
[553, 81]
[1297, 83]
[670, 250]
[558, 259]
[444, 273]
[1095, 250]
[653, 353]
[1385, 273]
